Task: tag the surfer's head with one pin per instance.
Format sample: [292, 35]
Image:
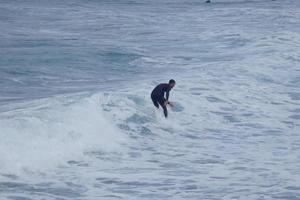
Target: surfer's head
[172, 83]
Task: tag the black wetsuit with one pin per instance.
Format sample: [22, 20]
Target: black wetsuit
[158, 96]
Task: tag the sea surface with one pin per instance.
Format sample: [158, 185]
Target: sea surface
[77, 121]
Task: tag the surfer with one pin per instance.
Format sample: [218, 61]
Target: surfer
[158, 95]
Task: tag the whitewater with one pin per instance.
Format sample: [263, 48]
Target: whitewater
[77, 121]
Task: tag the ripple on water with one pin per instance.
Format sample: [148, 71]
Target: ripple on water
[197, 91]
[295, 81]
[208, 161]
[10, 176]
[177, 107]
[214, 99]
[135, 154]
[252, 125]
[12, 186]
[294, 96]
[138, 119]
[110, 197]
[134, 184]
[145, 131]
[191, 136]
[286, 196]
[18, 198]
[70, 190]
[137, 100]
[78, 163]
[231, 118]
[189, 187]
[294, 117]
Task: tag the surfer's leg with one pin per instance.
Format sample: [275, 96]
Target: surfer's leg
[154, 100]
[165, 111]
[162, 104]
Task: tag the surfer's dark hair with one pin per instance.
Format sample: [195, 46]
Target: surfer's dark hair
[172, 81]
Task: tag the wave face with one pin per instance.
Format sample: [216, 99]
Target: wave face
[77, 122]
[50, 132]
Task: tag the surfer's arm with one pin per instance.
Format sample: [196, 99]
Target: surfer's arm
[167, 95]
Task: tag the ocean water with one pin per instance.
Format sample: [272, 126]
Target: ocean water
[77, 122]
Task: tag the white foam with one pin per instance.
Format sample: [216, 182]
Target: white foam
[53, 132]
